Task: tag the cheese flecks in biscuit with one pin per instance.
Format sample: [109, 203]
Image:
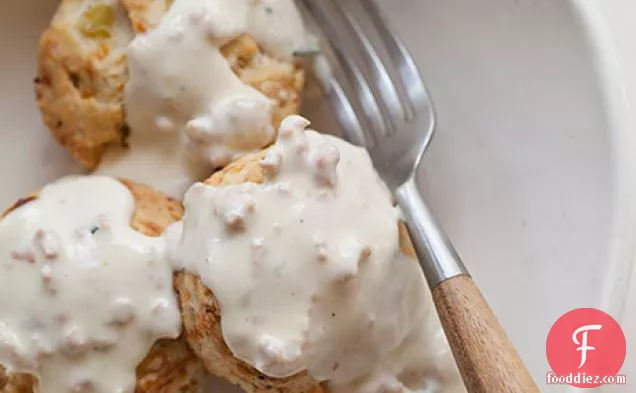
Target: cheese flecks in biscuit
[298, 252]
[83, 72]
[86, 301]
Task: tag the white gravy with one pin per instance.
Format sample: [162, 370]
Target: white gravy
[83, 296]
[188, 112]
[308, 271]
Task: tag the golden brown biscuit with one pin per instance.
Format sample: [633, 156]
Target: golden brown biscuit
[82, 72]
[201, 312]
[170, 366]
[18, 383]
[81, 76]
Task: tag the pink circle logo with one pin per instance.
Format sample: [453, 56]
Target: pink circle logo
[586, 348]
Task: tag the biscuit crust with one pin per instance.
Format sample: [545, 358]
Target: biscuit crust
[81, 75]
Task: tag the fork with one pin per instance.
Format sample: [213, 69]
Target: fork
[384, 105]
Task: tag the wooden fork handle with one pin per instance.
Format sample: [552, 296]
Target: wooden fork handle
[486, 358]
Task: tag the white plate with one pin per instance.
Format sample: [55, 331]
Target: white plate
[528, 171]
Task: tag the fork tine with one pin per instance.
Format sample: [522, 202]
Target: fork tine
[329, 79]
[349, 122]
[380, 73]
[408, 71]
[352, 73]
[351, 128]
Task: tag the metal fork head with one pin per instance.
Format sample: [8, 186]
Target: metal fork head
[373, 84]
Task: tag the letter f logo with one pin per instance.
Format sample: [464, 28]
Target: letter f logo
[584, 347]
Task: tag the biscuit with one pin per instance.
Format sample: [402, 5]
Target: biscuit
[201, 312]
[81, 76]
[82, 72]
[170, 366]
